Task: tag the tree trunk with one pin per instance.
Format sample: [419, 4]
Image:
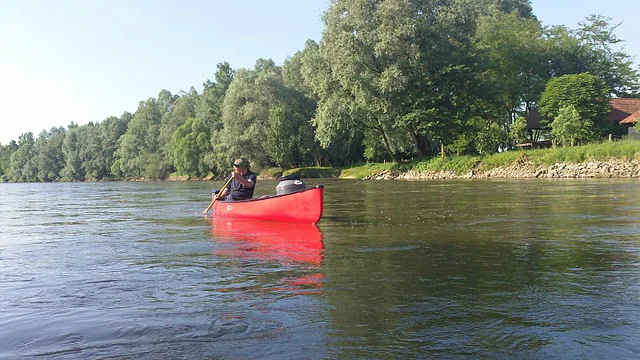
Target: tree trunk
[422, 144]
[387, 145]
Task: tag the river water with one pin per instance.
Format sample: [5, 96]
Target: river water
[395, 269]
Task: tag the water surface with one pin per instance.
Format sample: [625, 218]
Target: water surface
[395, 269]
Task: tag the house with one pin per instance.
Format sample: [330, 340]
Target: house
[624, 111]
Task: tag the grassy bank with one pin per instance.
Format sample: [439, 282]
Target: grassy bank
[623, 150]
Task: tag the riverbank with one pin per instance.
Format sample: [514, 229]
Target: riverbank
[605, 160]
[613, 168]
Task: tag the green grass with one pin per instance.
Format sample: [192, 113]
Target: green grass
[624, 150]
[504, 159]
[314, 172]
[274, 172]
[457, 164]
[362, 171]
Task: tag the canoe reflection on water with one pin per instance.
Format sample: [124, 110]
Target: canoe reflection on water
[270, 241]
[285, 243]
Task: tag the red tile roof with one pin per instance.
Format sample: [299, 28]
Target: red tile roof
[621, 109]
[631, 119]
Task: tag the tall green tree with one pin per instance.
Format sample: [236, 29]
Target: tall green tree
[606, 58]
[190, 144]
[50, 160]
[405, 64]
[587, 93]
[139, 152]
[520, 7]
[250, 115]
[336, 125]
[514, 56]
[183, 109]
[209, 106]
[209, 110]
[111, 130]
[71, 148]
[592, 48]
[5, 160]
[23, 163]
[165, 101]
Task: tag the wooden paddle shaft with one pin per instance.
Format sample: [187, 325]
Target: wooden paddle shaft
[216, 198]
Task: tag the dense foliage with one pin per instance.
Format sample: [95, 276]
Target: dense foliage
[390, 80]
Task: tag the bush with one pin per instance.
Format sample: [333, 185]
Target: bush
[274, 172]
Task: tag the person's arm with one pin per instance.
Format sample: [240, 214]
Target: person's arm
[246, 182]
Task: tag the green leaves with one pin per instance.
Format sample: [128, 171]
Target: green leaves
[23, 166]
[190, 144]
[587, 93]
[568, 127]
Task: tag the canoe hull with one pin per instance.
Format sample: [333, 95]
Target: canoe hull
[299, 207]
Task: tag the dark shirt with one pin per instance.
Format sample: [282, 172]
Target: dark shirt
[237, 191]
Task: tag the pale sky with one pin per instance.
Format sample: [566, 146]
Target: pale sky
[85, 60]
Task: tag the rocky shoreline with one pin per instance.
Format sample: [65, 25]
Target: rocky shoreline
[613, 168]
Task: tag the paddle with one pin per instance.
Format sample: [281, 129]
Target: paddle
[216, 197]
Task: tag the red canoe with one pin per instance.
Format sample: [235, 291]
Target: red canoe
[298, 207]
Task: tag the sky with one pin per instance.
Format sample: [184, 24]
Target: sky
[77, 61]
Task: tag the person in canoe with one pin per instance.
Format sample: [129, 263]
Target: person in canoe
[242, 184]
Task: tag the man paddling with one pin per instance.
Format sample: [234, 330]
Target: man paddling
[242, 184]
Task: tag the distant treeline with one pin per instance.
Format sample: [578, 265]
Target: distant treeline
[389, 80]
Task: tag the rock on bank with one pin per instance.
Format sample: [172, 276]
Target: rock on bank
[613, 168]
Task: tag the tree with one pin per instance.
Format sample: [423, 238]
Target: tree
[190, 144]
[613, 66]
[183, 108]
[72, 170]
[5, 160]
[209, 106]
[23, 164]
[209, 110]
[512, 49]
[281, 142]
[111, 130]
[406, 65]
[518, 132]
[520, 7]
[336, 125]
[165, 101]
[595, 49]
[138, 154]
[567, 126]
[50, 160]
[585, 92]
[258, 105]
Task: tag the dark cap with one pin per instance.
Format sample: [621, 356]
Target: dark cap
[241, 162]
